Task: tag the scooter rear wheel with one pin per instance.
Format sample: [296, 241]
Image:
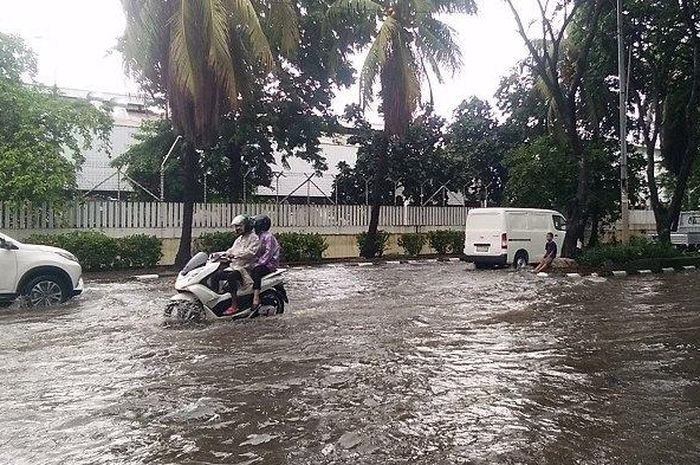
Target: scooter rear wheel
[272, 299]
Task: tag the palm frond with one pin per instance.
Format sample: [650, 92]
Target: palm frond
[435, 43]
[183, 71]
[283, 26]
[343, 7]
[387, 37]
[216, 30]
[444, 6]
[246, 22]
[400, 87]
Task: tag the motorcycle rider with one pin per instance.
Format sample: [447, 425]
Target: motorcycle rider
[268, 257]
[242, 255]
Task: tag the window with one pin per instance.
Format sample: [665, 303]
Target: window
[559, 222]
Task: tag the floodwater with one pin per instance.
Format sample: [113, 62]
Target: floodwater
[410, 364]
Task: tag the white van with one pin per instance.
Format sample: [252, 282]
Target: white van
[511, 236]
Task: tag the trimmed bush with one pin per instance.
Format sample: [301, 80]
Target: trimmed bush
[457, 242]
[617, 254]
[372, 245]
[214, 241]
[298, 247]
[138, 251]
[444, 242]
[412, 243]
[97, 251]
[440, 241]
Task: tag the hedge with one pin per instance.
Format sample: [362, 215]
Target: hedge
[372, 245]
[412, 243]
[296, 247]
[618, 255]
[444, 242]
[97, 251]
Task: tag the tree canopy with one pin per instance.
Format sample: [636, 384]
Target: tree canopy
[42, 134]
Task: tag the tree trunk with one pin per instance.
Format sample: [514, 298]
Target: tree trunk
[184, 252]
[595, 224]
[667, 218]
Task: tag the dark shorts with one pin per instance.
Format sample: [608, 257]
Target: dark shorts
[258, 273]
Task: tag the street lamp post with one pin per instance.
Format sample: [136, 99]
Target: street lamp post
[245, 177]
[162, 168]
[624, 200]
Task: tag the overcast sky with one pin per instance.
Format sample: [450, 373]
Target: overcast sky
[74, 39]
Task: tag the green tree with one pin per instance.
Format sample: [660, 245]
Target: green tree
[42, 134]
[665, 95]
[418, 163]
[203, 56]
[477, 144]
[560, 64]
[409, 37]
[284, 114]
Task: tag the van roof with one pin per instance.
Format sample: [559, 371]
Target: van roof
[514, 210]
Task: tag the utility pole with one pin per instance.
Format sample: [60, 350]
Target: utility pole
[622, 76]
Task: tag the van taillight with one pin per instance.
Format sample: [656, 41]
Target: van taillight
[504, 241]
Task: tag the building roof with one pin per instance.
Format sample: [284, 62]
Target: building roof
[128, 112]
[334, 150]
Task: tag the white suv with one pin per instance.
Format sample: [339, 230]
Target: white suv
[46, 275]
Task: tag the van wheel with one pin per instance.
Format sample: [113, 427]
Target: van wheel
[521, 260]
[45, 291]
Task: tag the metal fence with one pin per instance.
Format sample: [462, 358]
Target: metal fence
[163, 215]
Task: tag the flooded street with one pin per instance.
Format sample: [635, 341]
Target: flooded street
[415, 364]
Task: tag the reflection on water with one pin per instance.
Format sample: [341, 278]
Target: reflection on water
[420, 364]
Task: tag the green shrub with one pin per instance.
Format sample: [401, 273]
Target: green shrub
[457, 242]
[372, 245]
[610, 255]
[440, 241]
[138, 251]
[412, 243]
[298, 247]
[95, 250]
[444, 242]
[214, 241]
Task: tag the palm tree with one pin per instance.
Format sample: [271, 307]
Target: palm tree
[201, 55]
[409, 40]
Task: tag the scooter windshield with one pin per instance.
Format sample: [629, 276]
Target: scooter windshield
[200, 259]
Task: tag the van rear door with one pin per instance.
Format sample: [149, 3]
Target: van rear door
[483, 236]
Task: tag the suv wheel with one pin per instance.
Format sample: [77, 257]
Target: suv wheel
[45, 291]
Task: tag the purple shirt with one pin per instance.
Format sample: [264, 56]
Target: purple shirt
[269, 252]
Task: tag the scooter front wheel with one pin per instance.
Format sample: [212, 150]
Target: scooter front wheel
[184, 310]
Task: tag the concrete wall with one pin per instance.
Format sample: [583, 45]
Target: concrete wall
[339, 246]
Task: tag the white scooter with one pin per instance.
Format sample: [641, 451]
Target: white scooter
[199, 297]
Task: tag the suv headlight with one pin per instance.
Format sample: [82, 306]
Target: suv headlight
[69, 256]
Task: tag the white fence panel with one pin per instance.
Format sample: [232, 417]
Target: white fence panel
[154, 215]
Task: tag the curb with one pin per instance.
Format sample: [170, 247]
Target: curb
[621, 273]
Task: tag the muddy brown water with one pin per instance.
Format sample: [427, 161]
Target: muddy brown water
[415, 364]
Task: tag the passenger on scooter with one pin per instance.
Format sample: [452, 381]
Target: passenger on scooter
[242, 256]
[268, 257]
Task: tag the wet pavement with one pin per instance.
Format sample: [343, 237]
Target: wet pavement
[415, 364]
